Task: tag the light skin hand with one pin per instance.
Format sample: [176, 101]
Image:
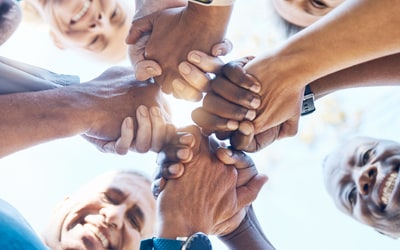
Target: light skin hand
[209, 171]
[192, 17]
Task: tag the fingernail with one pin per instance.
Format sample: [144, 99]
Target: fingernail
[183, 153]
[129, 123]
[255, 103]
[195, 58]
[174, 169]
[152, 71]
[186, 139]
[245, 129]
[255, 88]
[143, 111]
[228, 152]
[232, 125]
[155, 111]
[184, 68]
[219, 52]
[178, 85]
[250, 115]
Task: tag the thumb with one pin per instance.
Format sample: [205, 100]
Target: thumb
[248, 193]
[139, 27]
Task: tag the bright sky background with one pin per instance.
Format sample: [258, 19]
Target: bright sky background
[293, 208]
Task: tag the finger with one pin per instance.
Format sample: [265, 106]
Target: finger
[122, 145]
[97, 142]
[223, 135]
[147, 69]
[174, 153]
[235, 72]
[159, 129]
[227, 109]
[248, 193]
[138, 28]
[289, 128]
[183, 90]
[235, 158]
[197, 79]
[210, 122]
[234, 93]
[205, 62]
[143, 134]
[243, 138]
[222, 49]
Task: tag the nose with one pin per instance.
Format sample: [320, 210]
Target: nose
[366, 179]
[113, 215]
[97, 21]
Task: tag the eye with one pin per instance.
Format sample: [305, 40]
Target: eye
[319, 4]
[107, 198]
[114, 14]
[352, 196]
[367, 156]
[134, 222]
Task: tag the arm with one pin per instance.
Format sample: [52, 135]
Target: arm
[96, 109]
[193, 17]
[248, 235]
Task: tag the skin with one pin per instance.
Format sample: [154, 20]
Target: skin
[10, 17]
[158, 24]
[97, 109]
[303, 13]
[355, 176]
[207, 169]
[99, 33]
[119, 204]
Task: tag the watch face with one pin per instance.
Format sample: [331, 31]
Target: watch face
[197, 241]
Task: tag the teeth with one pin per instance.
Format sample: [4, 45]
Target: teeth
[388, 189]
[83, 11]
[99, 235]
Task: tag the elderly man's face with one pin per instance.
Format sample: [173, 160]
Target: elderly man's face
[114, 211]
[10, 17]
[362, 177]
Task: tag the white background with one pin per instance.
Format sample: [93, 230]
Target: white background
[293, 208]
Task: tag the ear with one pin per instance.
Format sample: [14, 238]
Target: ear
[56, 40]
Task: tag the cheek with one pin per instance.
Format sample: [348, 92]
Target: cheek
[131, 240]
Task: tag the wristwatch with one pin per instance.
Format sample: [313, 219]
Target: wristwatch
[308, 102]
[214, 2]
[197, 241]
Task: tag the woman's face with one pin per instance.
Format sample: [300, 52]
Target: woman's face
[98, 27]
[304, 12]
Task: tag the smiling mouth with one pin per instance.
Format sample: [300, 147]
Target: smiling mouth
[99, 235]
[388, 187]
[82, 12]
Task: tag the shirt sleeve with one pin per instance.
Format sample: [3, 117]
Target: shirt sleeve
[20, 77]
[248, 235]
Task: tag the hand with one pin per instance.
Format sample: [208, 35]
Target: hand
[152, 133]
[193, 17]
[114, 96]
[189, 200]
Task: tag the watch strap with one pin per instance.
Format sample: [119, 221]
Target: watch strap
[161, 244]
[214, 2]
[308, 102]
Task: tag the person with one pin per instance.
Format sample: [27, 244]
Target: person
[115, 210]
[226, 213]
[361, 176]
[10, 18]
[279, 116]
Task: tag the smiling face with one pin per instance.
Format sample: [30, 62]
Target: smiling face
[96, 27]
[304, 12]
[10, 17]
[114, 211]
[362, 178]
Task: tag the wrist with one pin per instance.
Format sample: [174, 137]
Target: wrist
[214, 2]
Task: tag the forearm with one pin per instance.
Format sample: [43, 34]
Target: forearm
[248, 235]
[35, 117]
[383, 71]
[355, 32]
[146, 7]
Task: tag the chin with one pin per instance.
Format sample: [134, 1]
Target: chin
[10, 18]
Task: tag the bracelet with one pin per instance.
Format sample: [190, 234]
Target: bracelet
[214, 2]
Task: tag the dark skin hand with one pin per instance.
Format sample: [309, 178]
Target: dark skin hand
[164, 41]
